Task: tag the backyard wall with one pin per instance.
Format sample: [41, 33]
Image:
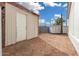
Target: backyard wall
[11, 24]
[0, 35]
[74, 25]
[57, 29]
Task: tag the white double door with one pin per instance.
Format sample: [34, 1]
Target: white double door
[21, 27]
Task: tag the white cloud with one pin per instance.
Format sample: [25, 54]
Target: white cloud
[42, 21]
[52, 4]
[47, 23]
[65, 5]
[51, 19]
[35, 7]
[57, 15]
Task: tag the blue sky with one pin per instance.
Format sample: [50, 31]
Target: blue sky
[51, 10]
[48, 11]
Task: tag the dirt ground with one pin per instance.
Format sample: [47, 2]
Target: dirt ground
[44, 45]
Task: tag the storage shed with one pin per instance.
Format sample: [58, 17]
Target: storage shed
[20, 24]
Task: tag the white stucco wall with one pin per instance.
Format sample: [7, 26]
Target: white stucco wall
[0, 35]
[74, 25]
